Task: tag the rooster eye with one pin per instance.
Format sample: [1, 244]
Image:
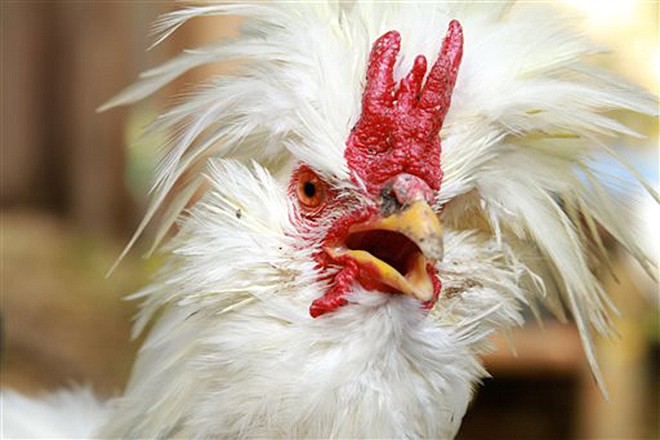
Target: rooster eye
[310, 189]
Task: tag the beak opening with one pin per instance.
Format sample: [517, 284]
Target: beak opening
[396, 253]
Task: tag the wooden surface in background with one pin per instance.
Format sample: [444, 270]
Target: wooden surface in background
[63, 321]
[60, 61]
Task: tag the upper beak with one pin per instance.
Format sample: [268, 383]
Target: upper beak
[398, 251]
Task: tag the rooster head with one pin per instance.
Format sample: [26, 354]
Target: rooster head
[382, 232]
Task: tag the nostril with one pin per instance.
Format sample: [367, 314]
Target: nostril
[408, 188]
[389, 204]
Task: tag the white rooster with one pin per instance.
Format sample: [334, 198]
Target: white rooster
[367, 222]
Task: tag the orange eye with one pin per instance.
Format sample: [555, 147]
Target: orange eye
[310, 189]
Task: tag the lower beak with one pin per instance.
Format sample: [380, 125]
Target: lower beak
[398, 251]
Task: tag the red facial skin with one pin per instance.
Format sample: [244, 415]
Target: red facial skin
[395, 142]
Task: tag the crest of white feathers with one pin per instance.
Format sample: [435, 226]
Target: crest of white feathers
[520, 199]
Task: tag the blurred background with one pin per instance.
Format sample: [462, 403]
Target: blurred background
[74, 187]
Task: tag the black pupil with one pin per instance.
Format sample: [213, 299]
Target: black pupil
[309, 189]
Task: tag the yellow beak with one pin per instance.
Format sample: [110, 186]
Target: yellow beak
[398, 258]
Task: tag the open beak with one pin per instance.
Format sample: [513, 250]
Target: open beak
[398, 252]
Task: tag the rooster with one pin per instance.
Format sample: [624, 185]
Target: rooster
[384, 186]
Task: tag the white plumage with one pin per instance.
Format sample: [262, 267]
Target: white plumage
[233, 351]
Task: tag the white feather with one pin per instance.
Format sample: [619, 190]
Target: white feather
[236, 354]
[526, 100]
[75, 413]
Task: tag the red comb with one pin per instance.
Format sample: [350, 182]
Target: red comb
[398, 129]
